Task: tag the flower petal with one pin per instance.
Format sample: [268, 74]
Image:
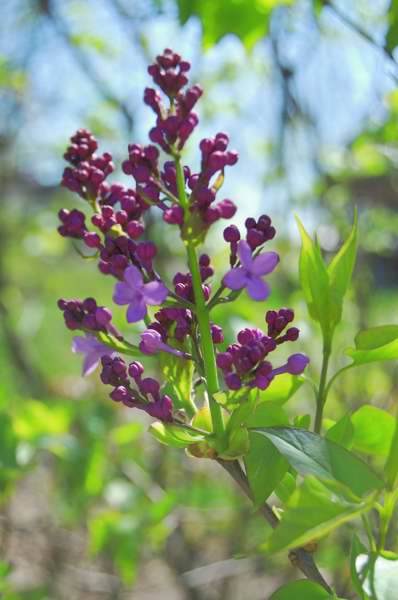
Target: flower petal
[264, 263]
[123, 294]
[236, 279]
[257, 288]
[245, 254]
[136, 311]
[90, 363]
[133, 277]
[155, 292]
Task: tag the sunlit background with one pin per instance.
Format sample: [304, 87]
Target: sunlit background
[91, 507]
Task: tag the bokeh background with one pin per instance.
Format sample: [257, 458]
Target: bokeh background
[90, 506]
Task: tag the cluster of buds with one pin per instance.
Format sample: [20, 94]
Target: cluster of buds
[245, 364]
[186, 199]
[145, 395]
[183, 281]
[174, 124]
[86, 315]
[88, 171]
[257, 234]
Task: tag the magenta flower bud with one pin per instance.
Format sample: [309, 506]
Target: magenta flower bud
[224, 360]
[146, 251]
[254, 238]
[174, 215]
[92, 239]
[233, 381]
[103, 316]
[120, 394]
[217, 334]
[262, 381]
[227, 209]
[151, 341]
[292, 334]
[296, 363]
[89, 304]
[231, 234]
[135, 370]
[135, 229]
[150, 386]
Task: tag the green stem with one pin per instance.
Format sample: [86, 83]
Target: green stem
[322, 390]
[202, 314]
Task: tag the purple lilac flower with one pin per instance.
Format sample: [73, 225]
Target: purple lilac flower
[151, 342]
[92, 349]
[138, 295]
[250, 274]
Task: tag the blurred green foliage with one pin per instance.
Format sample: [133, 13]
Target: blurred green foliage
[127, 497]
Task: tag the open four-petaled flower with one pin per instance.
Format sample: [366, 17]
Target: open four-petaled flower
[137, 294]
[92, 349]
[249, 274]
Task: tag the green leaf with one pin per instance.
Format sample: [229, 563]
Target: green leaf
[341, 432]
[369, 339]
[247, 19]
[282, 388]
[178, 373]
[301, 590]
[373, 430]
[375, 344]
[312, 511]
[314, 280]
[340, 269]
[310, 454]
[286, 487]
[265, 467]
[381, 581]
[357, 548]
[174, 436]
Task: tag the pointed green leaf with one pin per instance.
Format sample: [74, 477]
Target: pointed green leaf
[310, 454]
[315, 282]
[391, 468]
[340, 269]
[312, 511]
[373, 430]
[375, 344]
[265, 468]
[341, 432]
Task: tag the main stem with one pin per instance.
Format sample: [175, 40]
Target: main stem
[202, 313]
[322, 390]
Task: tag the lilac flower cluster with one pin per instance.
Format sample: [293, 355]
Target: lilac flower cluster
[86, 315]
[88, 170]
[146, 394]
[188, 200]
[244, 363]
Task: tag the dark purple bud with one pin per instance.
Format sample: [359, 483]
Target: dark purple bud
[103, 316]
[296, 363]
[231, 234]
[217, 334]
[233, 381]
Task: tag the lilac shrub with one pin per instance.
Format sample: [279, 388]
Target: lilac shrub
[226, 412]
